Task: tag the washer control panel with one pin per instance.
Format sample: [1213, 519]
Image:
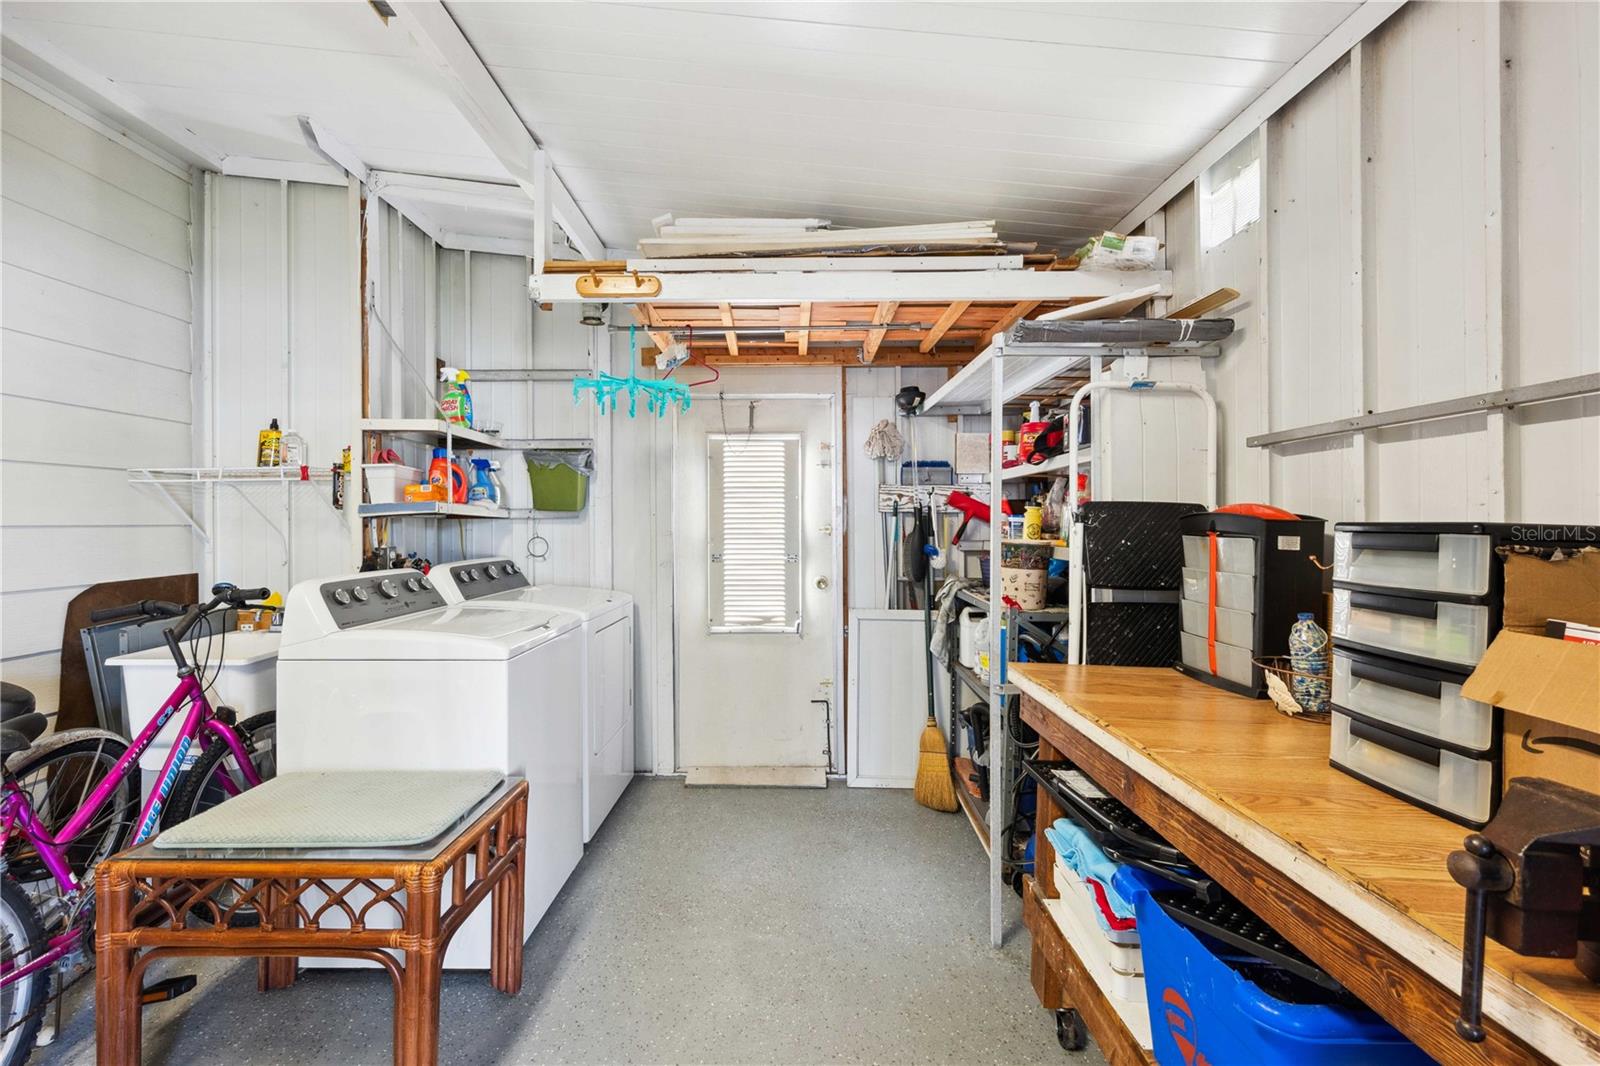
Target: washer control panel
[365, 599]
[480, 578]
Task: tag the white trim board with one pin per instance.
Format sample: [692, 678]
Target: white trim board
[1517, 1009]
[1325, 54]
[866, 286]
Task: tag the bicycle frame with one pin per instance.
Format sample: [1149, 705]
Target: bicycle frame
[17, 814]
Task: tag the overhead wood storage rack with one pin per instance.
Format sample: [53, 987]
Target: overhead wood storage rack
[841, 310]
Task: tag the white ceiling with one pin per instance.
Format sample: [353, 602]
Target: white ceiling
[1054, 119]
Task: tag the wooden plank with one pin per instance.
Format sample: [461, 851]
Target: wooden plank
[1352, 877]
[729, 335]
[1017, 313]
[881, 320]
[643, 314]
[1106, 307]
[805, 331]
[942, 325]
[1076, 988]
[1209, 302]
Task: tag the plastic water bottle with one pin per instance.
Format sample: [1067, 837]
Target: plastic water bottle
[1308, 655]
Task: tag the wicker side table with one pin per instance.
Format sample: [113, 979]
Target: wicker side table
[154, 904]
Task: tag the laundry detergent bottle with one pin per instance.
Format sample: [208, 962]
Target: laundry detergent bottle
[447, 472]
[456, 403]
[482, 488]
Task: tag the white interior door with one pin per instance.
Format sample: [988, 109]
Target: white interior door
[756, 610]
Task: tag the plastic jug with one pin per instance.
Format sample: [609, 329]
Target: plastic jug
[1308, 655]
[446, 471]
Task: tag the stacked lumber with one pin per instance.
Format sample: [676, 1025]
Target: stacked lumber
[690, 238]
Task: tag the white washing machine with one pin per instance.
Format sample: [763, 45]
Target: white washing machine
[607, 665]
[377, 671]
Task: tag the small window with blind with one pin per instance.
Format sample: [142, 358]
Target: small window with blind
[753, 532]
[1230, 193]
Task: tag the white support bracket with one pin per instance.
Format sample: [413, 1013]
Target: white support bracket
[440, 42]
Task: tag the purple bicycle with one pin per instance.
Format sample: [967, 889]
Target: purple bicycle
[71, 800]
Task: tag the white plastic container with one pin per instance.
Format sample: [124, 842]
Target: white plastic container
[1232, 663]
[1235, 555]
[1450, 784]
[386, 482]
[1450, 563]
[973, 635]
[1447, 632]
[247, 681]
[1236, 592]
[1233, 627]
[1125, 990]
[1415, 698]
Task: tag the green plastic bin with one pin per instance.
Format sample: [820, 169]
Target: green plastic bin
[557, 486]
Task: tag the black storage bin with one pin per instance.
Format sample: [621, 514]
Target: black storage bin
[1132, 564]
[1266, 577]
[1131, 634]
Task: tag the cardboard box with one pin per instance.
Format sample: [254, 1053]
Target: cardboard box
[1549, 691]
[1538, 590]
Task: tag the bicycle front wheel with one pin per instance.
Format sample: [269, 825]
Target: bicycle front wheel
[21, 1001]
[57, 781]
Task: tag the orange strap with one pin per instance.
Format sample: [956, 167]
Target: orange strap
[1211, 608]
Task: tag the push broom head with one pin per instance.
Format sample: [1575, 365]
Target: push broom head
[934, 788]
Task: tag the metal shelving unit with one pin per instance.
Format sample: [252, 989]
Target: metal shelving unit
[1013, 368]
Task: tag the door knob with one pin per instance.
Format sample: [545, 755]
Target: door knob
[822, 583]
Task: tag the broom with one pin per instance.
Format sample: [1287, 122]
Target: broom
[934, 788]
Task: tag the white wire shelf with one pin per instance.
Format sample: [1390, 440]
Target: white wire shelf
[1055, 465]
[430, 510]
[226, 475]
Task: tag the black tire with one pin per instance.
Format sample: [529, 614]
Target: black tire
[1070, 1032]
[25, 998]
[57, 781]
[198, 791]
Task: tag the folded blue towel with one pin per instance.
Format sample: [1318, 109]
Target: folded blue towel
[1084, 858]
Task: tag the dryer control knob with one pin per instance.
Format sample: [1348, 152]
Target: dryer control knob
[475, 573]
[341, 597]
[494, 572]
[389, 588]
[359, 592]
[413, 584]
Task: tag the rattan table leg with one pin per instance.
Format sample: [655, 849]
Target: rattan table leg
[276, 972]
[117, 1008]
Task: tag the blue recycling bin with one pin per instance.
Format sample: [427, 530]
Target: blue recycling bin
[1206, 1012]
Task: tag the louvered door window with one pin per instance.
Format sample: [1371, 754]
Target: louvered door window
[753, 526]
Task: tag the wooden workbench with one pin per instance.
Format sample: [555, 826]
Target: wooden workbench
[1353, 877]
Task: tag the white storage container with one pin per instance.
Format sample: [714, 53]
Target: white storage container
[1450, 784]
[247, 681]
[1235, 555]
[1232, 663]
[1125, 990]
[1233, 627]
[1450, 563]
[386, 482]
[1419, 699]
[1406, 625]
[973, 636]
[1125, 957]
[1236, 592]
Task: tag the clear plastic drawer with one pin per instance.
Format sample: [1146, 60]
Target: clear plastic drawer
[1418, 699]
[1451, 784]
[1451, 563]
[1407, 625]
[1235, 555]
[1232, 663]
[1233, 627]
[1236, 592]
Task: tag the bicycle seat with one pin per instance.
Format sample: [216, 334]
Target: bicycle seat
[22, 724]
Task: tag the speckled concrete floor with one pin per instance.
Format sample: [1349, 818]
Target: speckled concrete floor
[704, 925]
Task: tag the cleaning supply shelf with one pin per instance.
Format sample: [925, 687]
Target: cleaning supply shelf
[1056, 465]
[431, 510]
[434, 430]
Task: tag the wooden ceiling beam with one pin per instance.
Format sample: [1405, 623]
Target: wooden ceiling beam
[729, 335]
[805, 326]
[645, 318]
[1017, 313]
[942, 325]
[881, 321]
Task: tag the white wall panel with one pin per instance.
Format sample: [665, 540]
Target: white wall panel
[95, 268]
[1377, 264]
[283, 345]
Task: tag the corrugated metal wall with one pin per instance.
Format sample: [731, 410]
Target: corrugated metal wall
[97, 309]
[1429, 232]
